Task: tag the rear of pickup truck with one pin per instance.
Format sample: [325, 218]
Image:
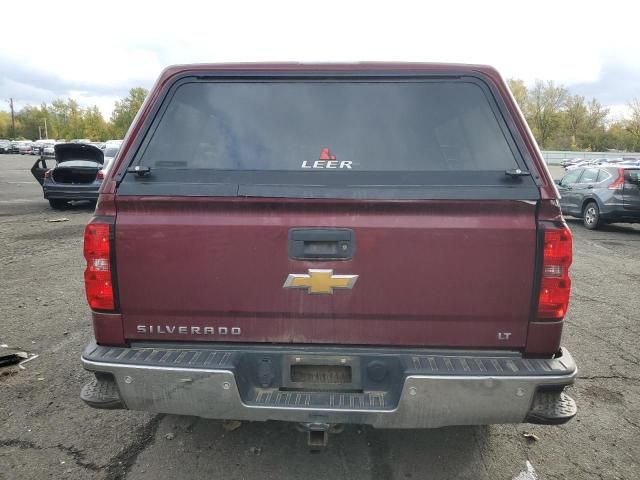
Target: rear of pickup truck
[325, 244]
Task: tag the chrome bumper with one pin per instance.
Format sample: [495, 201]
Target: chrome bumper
[436, 388]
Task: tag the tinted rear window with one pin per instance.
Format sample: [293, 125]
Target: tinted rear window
[311, 126]
[632, 176]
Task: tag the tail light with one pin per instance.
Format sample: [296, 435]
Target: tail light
[618, 183]
[98, 276]
[555, 284]
[100, 175]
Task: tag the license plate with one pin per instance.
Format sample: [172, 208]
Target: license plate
[321, 374]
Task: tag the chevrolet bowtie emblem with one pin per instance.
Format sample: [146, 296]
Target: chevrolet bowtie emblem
[319, 281]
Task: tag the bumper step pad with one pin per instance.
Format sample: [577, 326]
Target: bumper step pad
[552, 408]
[334, 400]
[102, 393]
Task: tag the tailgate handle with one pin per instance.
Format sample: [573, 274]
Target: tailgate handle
[321, 243]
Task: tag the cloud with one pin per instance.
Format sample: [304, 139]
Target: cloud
[103, 52]
[617, 83]
[31, 86]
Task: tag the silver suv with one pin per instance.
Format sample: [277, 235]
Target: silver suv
[601, 195]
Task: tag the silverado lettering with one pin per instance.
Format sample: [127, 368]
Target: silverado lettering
[427, 287]
[184, 330]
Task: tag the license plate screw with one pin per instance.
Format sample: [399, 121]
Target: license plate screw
[412, 391]
[343, 360]
[226, 385]
[520, 392]
[128, 379]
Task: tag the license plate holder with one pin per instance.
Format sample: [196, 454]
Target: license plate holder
[302, 372]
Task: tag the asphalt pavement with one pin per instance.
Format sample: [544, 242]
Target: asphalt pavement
[47, 432]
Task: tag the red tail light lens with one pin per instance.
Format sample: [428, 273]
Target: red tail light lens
[97, 276]
[555, 284]
[100, 175]
[618, 183]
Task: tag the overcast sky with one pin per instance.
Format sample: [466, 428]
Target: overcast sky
[96, 51]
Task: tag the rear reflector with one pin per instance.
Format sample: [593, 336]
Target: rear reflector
[555, 284]
[100, 175]
[97, 276]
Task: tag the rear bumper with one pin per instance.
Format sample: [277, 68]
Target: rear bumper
[392, 388]
[71, 192]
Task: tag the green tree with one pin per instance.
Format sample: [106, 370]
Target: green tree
[618, 137]
[125, 111]
[575, 118]
[59, 115]
[596, 114]
[595, 132]
[5, 125]
[546, 103]
[520, 93]
[633, 123]
[94, 124]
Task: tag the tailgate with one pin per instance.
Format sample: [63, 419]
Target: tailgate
[434, 273]
[327, 210]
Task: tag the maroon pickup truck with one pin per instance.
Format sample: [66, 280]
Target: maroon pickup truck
[325, 244]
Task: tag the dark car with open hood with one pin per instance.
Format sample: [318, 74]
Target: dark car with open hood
[376, 244]
[77, 174]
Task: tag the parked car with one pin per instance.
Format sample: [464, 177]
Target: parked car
[286, 248]
[110, 152]
[601, 195]
[599, 161]
[38, 146]
[25, 148]
[44, 145]
[77, 174]
[49, 148]
[13, 146]
[5, 146]
[578, 164]
[629, 163]
[612, 161]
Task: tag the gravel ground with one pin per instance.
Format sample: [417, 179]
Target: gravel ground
[47, 432]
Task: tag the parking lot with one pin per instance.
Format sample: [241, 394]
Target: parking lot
[47, 432]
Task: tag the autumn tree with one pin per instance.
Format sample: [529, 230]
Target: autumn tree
[125, 111]
[5, 124]
[94, 124]
[520, 93]
[576, 117]
[546, 102]
[633, 123]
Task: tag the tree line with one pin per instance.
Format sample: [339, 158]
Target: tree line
[562, 121]
[558, 119]
[66, 119]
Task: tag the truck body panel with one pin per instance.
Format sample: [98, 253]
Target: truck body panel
[375, 243]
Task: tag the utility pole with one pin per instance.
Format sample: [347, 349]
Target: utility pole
[46, 132]
[39, 132]
[13, 120]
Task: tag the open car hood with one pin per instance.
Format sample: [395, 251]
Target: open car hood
[78, 151]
